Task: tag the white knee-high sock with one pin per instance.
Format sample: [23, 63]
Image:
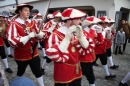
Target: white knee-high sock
[127, 77]
[8, 50]
[39, 45]
[92, 84]
[105, 67]
[40, 81]
[43, 50]
[110, 60]
[5, 63]
[44, 63]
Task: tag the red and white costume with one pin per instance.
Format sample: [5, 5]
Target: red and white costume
[15, 32]
[64, 60]
[1, 42]
[112, 32]
[23, 35]
[66, 64]
[90, 52]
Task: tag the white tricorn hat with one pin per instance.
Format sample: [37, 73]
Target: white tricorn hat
[104, 19]
[111, 20]
[36, 15]
[90, 20]
[71, 13]
[56, 14]
[50, 16]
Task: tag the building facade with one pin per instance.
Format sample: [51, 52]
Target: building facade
[116, 9]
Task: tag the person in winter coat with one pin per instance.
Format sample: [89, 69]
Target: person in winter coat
[126, 28]
[120, 40]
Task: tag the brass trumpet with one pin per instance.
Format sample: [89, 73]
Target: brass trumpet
[3, 29]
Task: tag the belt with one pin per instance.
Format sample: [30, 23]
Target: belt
[76, 65]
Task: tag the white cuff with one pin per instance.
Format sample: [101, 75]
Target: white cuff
[40, 35]
[24, 39]
[64, 45]
[109, 36]
[84, 42]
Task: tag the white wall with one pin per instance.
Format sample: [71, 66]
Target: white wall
[5, 8]
[111, 12]
[99, 5]
[121, 3]
[7, 2]
[26, 1]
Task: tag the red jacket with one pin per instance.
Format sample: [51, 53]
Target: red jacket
[100, 43]
[90, 52]
[1, 42]
[15, 32]
[66, 65]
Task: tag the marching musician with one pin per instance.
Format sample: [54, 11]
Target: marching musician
[48, 28]
[23, 33]
[100, 48]
[64, 46]
[2, 49]
[7, 22]
[86, 61]
[109, 40]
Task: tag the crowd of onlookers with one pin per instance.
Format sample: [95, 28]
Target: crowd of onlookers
[122, 37]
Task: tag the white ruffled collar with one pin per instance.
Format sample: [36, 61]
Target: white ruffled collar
[21, 21]
[63, 29]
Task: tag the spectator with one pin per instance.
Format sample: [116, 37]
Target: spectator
[120, 40]
[126, 29]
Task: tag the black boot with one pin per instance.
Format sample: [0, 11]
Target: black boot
[43, 71]
[120, 50]
[110, 76]
[116, 50]
[11, 56]
[121, 84]
[0, 75]
[8, 70]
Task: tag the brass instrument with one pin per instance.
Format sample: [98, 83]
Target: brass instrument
[3, 27]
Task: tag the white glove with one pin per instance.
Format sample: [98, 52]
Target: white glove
[82, 39]
[52, 27]
[63, 46]
[32, 34]
[107, 29]
[97, 28]
[40, 35]
[0, 29]
[113, 29]
[108, 34]
[25, 39]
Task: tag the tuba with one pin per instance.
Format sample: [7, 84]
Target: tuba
[3, 27]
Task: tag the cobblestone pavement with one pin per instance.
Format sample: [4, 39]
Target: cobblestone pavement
[122, 60]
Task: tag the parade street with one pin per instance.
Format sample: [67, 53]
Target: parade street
[122, 60]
